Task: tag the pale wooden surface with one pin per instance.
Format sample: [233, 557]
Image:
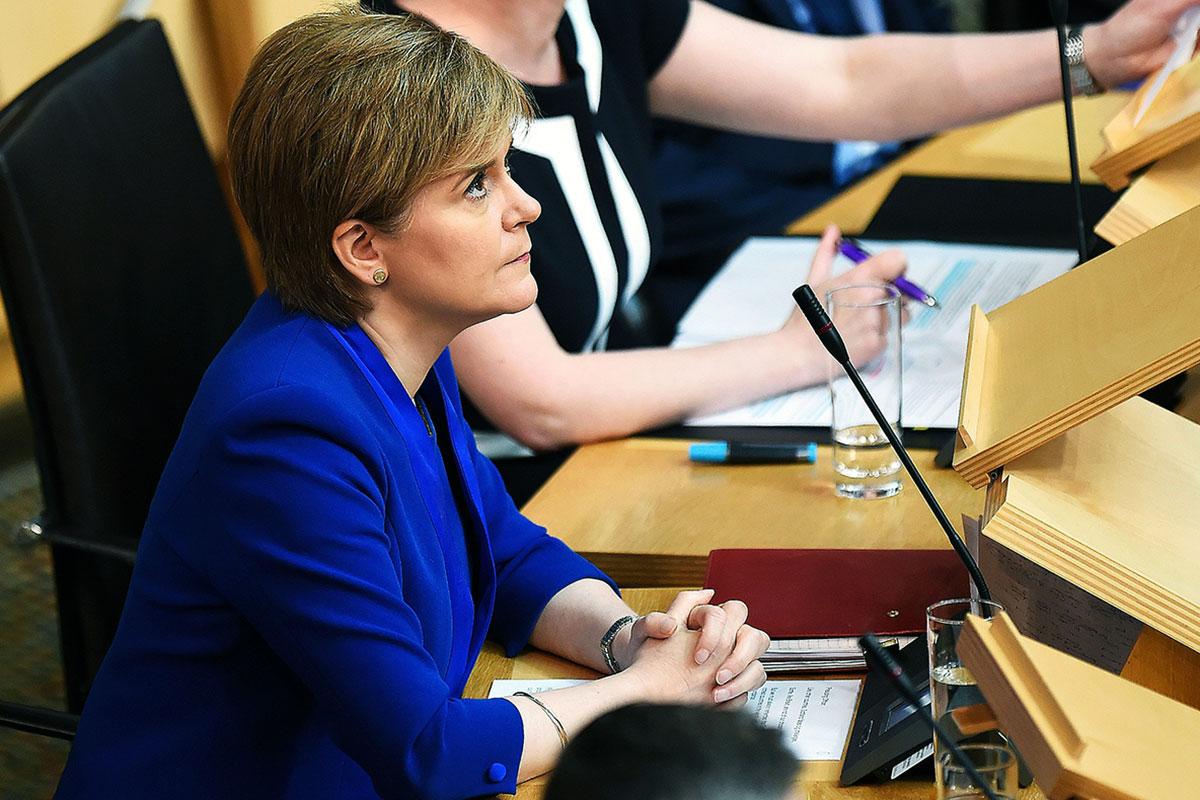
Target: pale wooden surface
[1164, 191]
[1030, 145]
[1082, 343]
[1112, 506]
[1084, 731]
[646, 515]
[1171, 121]
[817, 779]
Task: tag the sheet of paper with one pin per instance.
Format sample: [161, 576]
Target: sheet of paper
[813, 716]
[752, 294]
[1184, 34]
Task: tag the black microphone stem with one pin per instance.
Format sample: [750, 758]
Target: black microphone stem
[955, 541]
[1072, 146]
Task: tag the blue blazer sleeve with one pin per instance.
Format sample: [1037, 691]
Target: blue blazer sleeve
[531, 565]
[293, 502]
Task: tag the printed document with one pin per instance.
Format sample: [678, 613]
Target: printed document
[752, 294]
[813, 716]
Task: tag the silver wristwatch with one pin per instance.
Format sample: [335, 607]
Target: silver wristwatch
[606, 643]
[1082, 81]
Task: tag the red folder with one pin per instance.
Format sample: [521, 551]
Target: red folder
[798, 594]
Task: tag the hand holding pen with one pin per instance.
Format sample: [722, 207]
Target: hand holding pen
[852, 250]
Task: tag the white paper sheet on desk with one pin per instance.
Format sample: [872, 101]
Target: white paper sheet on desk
[752, 294]
[813, 716]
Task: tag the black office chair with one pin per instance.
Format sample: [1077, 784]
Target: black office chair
[122, 276]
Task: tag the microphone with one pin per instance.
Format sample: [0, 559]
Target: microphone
[814, 312]
[880, 657]
[1058, 12]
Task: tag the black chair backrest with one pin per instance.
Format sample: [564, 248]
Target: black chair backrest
[122, 276]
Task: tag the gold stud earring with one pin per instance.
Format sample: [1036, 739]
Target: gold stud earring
[380, 277]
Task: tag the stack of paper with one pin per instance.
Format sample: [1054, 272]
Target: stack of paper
[820, 655]
[812, 716]
[752, 294]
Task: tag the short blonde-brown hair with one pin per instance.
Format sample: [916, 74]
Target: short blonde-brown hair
[347, 115]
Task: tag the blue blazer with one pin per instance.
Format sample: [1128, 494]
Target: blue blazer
[290, 630]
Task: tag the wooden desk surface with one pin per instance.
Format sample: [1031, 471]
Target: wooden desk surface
[643, 513]
[646, 515]
[818, 778]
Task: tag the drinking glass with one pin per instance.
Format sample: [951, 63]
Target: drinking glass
[951, 685]
[868, 318]
[995, 763]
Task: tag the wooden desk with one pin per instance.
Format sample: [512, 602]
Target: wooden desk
[639, 510]
[647, 516]
[818, 778]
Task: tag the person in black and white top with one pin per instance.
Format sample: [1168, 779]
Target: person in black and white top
[597, 70]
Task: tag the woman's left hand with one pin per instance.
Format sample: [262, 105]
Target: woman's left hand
[1133, 42]
[722, 629]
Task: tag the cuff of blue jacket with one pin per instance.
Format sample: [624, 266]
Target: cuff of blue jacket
[485, 764]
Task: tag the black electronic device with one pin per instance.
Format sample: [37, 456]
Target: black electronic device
[915, 703]
[888, 739]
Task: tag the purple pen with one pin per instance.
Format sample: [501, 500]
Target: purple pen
[854, 251]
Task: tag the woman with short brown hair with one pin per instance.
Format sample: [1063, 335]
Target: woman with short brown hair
[327, 550]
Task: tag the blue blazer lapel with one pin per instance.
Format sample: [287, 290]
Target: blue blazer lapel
[480, 544]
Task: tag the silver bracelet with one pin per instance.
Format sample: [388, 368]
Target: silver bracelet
[558, 726]
[1082, 80]
[606, 643]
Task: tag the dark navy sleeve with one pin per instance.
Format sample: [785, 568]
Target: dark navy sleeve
[662, 23]
[296, 541]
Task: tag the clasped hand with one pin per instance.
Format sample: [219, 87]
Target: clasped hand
[695, 652]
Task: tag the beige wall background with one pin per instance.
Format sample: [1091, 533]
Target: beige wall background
[213, 42]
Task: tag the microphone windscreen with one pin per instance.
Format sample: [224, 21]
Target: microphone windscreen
[821, 324]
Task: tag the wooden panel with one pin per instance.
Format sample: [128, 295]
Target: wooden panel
[1163, 665]
[1166, 190]
[1112, 507]
[239, 27]
[1084, 731]
[642, 510]
[1171, 121]
[1084, 342]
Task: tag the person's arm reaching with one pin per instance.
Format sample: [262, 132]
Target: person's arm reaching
[545, 397]
[729, 72]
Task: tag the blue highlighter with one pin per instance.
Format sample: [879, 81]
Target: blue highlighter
[745, 453]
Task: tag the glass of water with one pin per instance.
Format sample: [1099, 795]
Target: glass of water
[951, 684]
[995, 763]
[868, 317]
